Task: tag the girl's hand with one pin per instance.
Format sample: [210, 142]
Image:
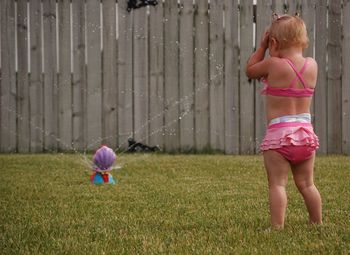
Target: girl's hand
[265, 39]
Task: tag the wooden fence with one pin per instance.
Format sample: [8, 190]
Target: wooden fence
[77, 74]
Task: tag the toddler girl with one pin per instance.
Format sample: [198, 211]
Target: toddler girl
[290, 141]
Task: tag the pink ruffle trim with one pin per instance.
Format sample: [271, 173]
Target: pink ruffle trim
[298, 135]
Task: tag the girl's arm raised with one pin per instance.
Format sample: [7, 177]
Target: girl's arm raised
[257, 66]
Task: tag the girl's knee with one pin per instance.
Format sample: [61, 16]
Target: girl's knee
[277, 188]
[303, 183]
[278, 182]
[305, 186]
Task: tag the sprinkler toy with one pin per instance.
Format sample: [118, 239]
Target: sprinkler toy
[103, 161]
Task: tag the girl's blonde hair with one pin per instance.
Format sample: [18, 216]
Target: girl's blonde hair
[289, 31]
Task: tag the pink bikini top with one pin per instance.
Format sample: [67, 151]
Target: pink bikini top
[291, 90]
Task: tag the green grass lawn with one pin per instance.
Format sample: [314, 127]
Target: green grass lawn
[164, 204]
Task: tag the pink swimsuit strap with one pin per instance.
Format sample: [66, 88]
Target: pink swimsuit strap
[291, 90]
[298, 73]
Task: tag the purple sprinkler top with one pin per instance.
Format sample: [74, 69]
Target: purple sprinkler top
[103, 159]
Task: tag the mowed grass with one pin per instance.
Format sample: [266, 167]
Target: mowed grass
[164, 204]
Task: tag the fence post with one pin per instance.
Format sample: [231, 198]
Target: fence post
[216, 69]
[346, 78]
[64, 76]
[125, 75]
[156, 75]
[94, 69]
[79, 75]
[247, 94]
[186, 80]
[321, 88]
[35, 83]
[278, 6]
[334, 111]
[263, 20]
[109, 74]
[140, 63]
[50, 76]
[231, 51]
[8, 91]
[171, 46]
[201, 79]
[23, 119]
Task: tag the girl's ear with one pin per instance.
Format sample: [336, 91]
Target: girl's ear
[274, 43]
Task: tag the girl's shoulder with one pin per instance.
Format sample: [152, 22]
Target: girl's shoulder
[311, 62]
[277, 63]
[275, 60]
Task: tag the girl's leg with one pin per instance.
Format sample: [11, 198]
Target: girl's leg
[277, 168]
[303, 174]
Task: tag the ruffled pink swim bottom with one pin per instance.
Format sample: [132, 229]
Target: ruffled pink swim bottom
[295, 141]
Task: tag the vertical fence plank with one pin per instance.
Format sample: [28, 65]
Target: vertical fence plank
[94, 91]
[293, 6]
[201, 76]
[334, 110]
[156, 70]
[50, 76]
[125, 75]
[79, 75]
[186, 76]
[217, 124]
[8, 78]
[307, 11]
[321, 89]
[278, 6]
[171, 76]
[346, 78]
[1, 129]
[140, 62]
[308, 15]
[22, 78]
[35, 83]
[64, 76]
[231, 77]
[109, 71]
[1, 103]
[246, 86]
[263, 20]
